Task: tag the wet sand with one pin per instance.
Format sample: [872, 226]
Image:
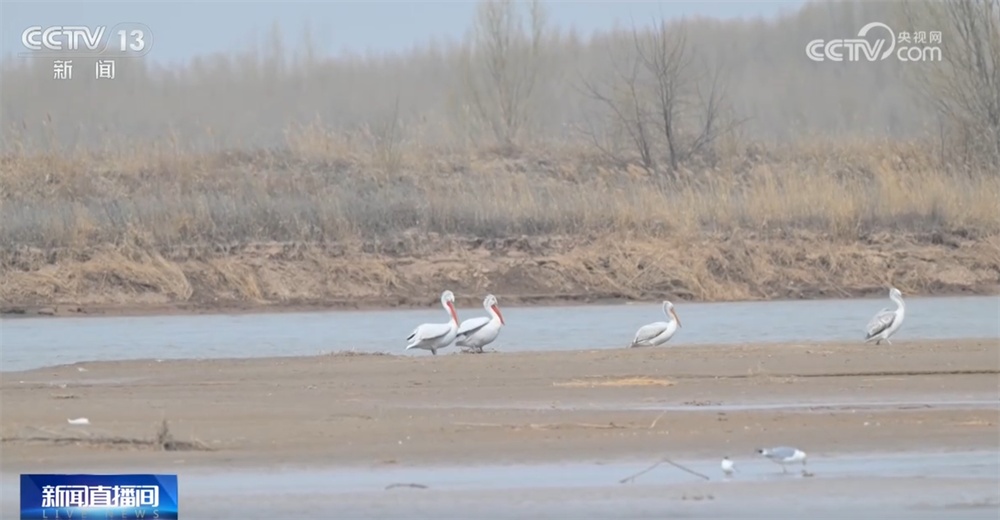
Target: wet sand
[517, 407]
[520, 408]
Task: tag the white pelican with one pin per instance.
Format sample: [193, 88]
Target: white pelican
[432, 336]
[658, 333]
[784, 455]
[475, 333]
[886, 322]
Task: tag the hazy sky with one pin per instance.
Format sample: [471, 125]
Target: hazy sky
[183, 29]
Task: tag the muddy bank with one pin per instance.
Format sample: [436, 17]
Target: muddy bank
[498, 408]
[410, 271]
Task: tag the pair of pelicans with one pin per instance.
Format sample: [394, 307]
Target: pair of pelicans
[475, 333]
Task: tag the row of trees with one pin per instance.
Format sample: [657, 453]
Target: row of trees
[663, 94]
[670, 102]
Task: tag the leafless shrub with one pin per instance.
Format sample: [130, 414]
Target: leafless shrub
[663, 97]
[964, 86]
[502, 65]
[385, 138]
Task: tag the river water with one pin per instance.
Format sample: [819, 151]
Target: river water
[35, 342]
[914, 485]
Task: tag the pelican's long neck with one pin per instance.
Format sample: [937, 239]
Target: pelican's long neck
[900, 306]
[452, 315]
[670, 315]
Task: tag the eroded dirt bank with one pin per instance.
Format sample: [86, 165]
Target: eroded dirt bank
[412, 270]
[498, 408]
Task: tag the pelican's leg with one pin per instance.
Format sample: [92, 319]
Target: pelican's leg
[784, 468]
[887, 341]
[434, 351]
[878, 342]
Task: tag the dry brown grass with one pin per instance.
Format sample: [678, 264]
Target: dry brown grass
[320, 192]
[291, 226]
[615, 382]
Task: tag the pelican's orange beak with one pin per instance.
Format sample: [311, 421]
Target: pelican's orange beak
[676, 317]
[497, 310]
[451, 308]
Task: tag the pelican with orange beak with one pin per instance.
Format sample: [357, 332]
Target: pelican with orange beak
[432, 336]
[658, 333]
[476, 333]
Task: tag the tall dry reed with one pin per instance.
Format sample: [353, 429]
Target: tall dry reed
[318, 188]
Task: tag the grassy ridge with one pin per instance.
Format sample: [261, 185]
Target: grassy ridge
[291, 228]
[311, 196]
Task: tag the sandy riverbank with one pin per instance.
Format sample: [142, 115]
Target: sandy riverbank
[524, 407]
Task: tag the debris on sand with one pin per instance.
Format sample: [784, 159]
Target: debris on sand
[163, 440]
[405, 484]
[614, 382]
[630, 479]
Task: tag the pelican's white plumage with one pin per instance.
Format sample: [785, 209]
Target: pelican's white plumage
[432, 336]
[475, 333]
[659, 332]
[887, 321]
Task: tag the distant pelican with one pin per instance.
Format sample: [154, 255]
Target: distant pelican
[658, 333]
[475, 333]
[432, 336]
[886, 322]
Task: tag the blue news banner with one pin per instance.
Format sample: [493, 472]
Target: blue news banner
[99, 497]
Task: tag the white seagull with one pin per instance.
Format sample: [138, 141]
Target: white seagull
[784, 455]
[432, 336]
[886, 322]
[728, 466]
[475, 333]
[660, 332]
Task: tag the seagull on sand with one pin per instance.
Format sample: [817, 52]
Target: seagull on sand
[784, 455]
[728, 466]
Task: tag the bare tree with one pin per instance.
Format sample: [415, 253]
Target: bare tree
[503, 65]
[965, 84]
[666, 57]
[629, 108]
[664, 97]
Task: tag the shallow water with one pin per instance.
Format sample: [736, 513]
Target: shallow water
[596, 474]
[36, 342]
[930, 403]
[935, 485]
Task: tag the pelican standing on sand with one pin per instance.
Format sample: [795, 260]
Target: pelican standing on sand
[432, 336]
[660, 332]
[475, 333]
[886, 322]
